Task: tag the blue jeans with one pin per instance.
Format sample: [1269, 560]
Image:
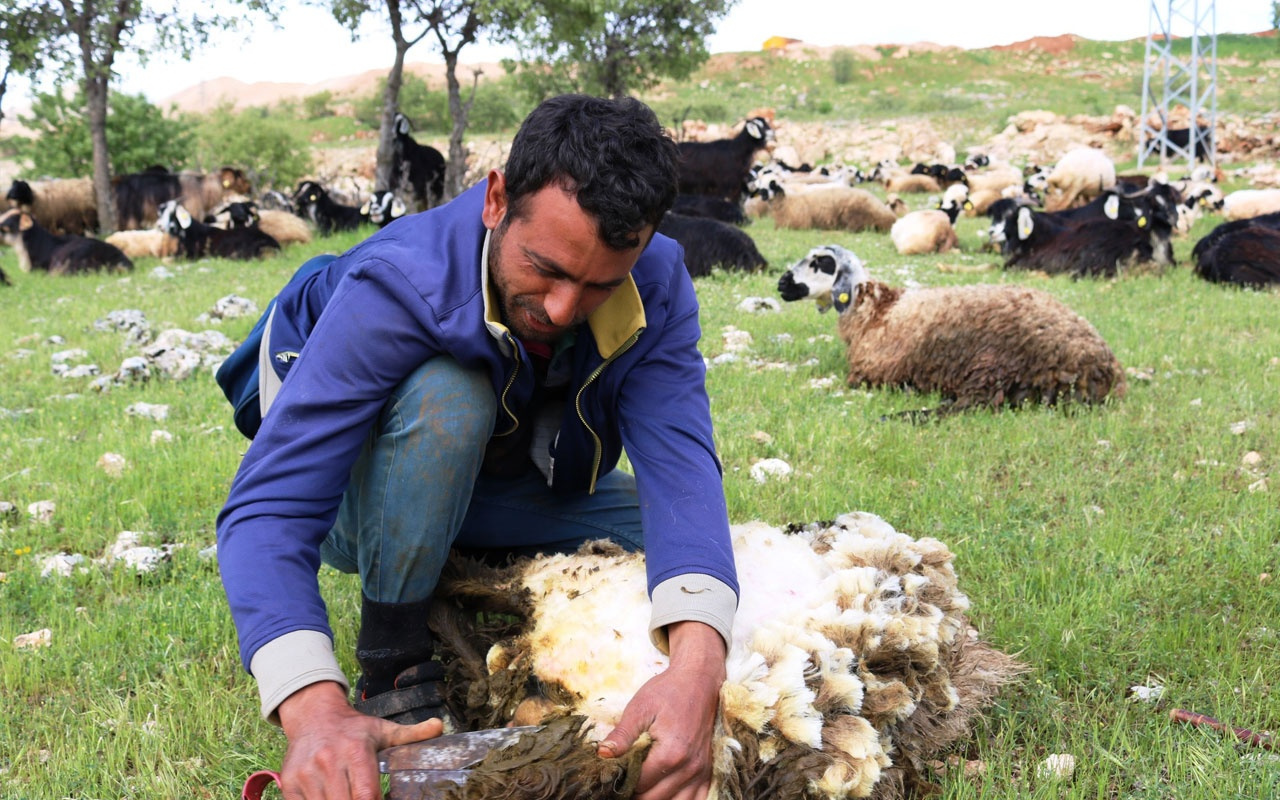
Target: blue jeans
[416, 491]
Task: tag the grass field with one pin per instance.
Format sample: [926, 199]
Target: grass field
[1133, 544]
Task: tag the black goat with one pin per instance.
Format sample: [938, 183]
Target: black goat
[198, 240]
[710, 243]
[1137, 231]
[383, 208]
[313, 202]
[419, 166]
[38, 249]
[700, 205]
[1181, 137]
[1244, 252]
[722, 167]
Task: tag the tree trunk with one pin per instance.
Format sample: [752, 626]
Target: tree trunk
[4, 87]
[455, 171]
[383, 179]
[95, 92]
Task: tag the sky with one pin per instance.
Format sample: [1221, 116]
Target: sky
[310, 46]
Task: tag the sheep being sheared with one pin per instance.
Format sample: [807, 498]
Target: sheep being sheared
[851, 664]
[979, 345]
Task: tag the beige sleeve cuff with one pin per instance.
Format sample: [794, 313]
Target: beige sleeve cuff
[284, 665]
[692, 597]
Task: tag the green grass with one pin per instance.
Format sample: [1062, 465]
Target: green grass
[1107, 547]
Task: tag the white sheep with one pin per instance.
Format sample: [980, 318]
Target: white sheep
[153, 243]
[284, 226]
[1250, 203]
[835, 209]
[979, 345]
[851, 664]
[1078, 177]
[60, 205]
[925, 231]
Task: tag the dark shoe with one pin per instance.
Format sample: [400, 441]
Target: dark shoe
[399, 680]
[416, 695]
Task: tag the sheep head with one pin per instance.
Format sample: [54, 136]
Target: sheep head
[173, 218]
[829, 274]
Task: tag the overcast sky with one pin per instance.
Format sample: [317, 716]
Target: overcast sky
[311, 47]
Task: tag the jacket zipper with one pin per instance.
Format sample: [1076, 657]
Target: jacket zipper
[515, 421]
[577, 405]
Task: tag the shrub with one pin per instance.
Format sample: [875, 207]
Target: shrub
[138, 136]
[843, 66]
[266, 147]
[316, 106]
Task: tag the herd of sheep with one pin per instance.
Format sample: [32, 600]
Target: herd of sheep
[981, 345]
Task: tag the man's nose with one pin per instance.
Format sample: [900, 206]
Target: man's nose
[561, 303]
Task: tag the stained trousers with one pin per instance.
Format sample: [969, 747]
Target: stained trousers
[417, 490]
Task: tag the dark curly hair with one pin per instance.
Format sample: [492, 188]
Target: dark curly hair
[612, 154]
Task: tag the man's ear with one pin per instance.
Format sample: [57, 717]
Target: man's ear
[495, 200]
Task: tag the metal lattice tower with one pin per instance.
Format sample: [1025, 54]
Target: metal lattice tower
[1190, 81]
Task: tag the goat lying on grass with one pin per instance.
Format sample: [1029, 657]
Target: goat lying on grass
[852, 663]
[38, 249]
[981, 345]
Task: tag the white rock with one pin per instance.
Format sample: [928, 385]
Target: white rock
[822, 383]
[63, 356]
[42, 510]
[130, 321]
[80, 371]
[755, 305]
[1058, 766]
[768, 468]
[40, 638]
[1251, 459]
[1146, 694]
[1259, 485]
[161, 274]
[133, 369]
[735, 340]
[113, 464]
[1239, 428]
[232, 306]
[161, 437]
[155, 411]
[62, 564]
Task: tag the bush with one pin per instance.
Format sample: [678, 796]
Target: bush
[316, 106]
[138, 136]
[428, 111]
[266, 147]
[843, 66]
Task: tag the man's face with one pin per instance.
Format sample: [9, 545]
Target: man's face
[549, 266]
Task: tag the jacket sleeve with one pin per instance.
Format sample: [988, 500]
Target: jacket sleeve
[286, 494]
[667, 432]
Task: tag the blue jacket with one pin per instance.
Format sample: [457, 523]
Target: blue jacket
[347, 334]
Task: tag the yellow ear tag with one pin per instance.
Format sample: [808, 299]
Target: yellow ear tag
[1142, 222]
[968, 205]
[844, 298]
[184, 217]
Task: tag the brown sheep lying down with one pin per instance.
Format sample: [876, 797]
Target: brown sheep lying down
[981, 345]
[852, 664]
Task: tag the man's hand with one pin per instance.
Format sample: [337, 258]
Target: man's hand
[332, 753]
[678, 709]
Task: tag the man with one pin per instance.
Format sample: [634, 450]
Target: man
[468, 377]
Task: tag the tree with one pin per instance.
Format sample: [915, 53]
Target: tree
[24, 30]
[139, 133]
[613, 47]
[269, 149]
[452, 24]
[85, 36]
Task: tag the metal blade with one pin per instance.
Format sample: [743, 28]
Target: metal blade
[423, 784]
[457, 751]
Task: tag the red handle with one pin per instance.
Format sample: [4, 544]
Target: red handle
[257, 782]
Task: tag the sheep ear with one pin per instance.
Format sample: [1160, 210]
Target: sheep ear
[842, 290]
[184, 217]
[397, 207]
[364, 209]
[1111, 206]
[1026, 224]
[25, 222]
